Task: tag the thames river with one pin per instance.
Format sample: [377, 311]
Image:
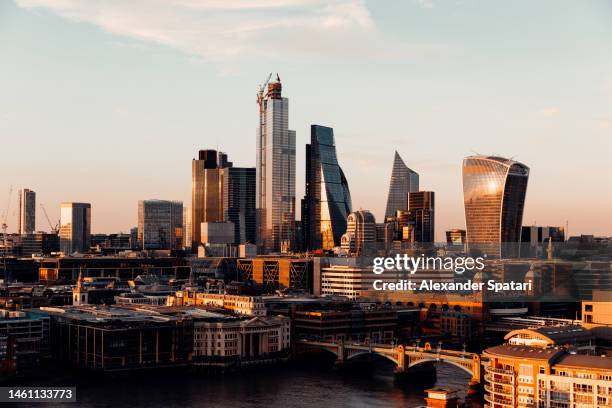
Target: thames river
[269, 387]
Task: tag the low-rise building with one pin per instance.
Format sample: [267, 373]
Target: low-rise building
[25, 338]
[242, 305]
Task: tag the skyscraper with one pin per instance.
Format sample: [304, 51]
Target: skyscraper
[421, 210]
[275, 171]
[75, 227]
[27, 211]
[239, 202]
[327, 202]
[494, 191]
[187, 240]
[160, 224]
[403, 181]
[206, 191]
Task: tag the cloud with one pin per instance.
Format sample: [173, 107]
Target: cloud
[219, 30]
[552, 111]
[425, 3]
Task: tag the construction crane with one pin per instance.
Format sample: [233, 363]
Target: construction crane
[262, 89]
[5, 219]
[55, 229]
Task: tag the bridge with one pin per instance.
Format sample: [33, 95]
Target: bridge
[403, 356]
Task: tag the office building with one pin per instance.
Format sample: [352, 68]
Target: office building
[403, 181]
[275, 171]
[494, 191]
[239, 188]
[187, 229]
[535, 240]
[28, 334]
[238, 304]
[27, 211]
[421, 214]
[360, 236]
[277, 273]
[455, 236]
[327, 202]
[39, 243]
[160, 224]
[75, 227]
[206, 191]
[217, 233]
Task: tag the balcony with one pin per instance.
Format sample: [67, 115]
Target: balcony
[491, 379]
[499, 371]
[499, 390]
[500, 401]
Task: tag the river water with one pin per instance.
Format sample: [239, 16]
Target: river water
[286, 386]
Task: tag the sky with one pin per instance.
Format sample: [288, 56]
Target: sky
[108, 101]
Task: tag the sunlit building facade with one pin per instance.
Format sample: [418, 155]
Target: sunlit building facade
[75, 227]
[327, 202]
[494, 191]
[275, 172]
[27, 211]
[360, 236]
[403, 181]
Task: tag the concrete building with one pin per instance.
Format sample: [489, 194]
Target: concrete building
[75, 227]
[360, 235]
[26, 337]
[242, 305]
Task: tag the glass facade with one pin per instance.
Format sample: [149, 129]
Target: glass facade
[75, 227]
[403, 181]
[239, 202]
[494, 191]
[160, 224]
[327, 202]
[27, 211]
[421, 213]
[275, 173]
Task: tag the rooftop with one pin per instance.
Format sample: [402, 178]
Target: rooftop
[583, 361]
[536, 353]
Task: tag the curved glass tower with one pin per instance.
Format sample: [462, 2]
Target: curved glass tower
[327, 202]
[403, 181]
[494, 191]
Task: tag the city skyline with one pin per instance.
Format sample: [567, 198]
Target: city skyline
[130, 152]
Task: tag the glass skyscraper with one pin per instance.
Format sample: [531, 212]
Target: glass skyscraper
[421, 212]
[327, 202]
[239, 202]
[275, 172]
[403, 181]
[75, 227]
[27, 211]
[494, 191]
[160, 224]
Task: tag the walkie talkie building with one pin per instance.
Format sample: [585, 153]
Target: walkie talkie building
[494, 191]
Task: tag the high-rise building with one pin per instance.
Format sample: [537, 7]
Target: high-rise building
[160, 224]
[187, 241]
[275, 171]
[421, 210]
[327, 202]
[27, 211]
[239, 202]
[75, 227]
[403, 181]
[206, 190]
[360, 236]
[494, 191]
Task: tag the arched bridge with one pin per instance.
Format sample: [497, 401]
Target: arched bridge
[403, 356]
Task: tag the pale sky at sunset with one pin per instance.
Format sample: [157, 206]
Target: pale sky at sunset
[108, 101]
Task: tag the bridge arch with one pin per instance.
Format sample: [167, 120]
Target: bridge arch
[361, 353]
[442, 360]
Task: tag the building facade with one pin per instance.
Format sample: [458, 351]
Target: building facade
[239, 187]
[494, 192]
[160, 224]
[27, 211]
[327, 202]
[75, 227]
[275, 172]
[187, 228]
[403, 181]
[206, 191]
[421, 213]
[360, 236]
